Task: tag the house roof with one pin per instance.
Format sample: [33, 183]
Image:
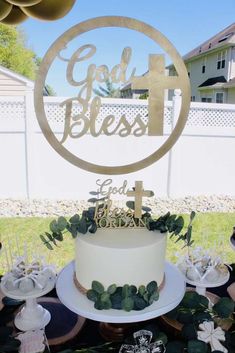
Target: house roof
[213, 81]
[126, 86]
[221, 39]
[230, 83]
[29, 83]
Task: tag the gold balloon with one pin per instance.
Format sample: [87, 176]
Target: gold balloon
[24, 2]
[49, 10]
[5, 9]
[15, 17]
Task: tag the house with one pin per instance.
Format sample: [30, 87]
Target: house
[211, 68]
[126, 91]
[14, 84]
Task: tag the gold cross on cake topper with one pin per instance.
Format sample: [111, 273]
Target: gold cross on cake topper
[138, 194]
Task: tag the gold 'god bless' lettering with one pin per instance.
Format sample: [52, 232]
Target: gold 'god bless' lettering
[76, 126]
[106, 217]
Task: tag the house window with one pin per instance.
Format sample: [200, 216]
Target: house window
[206, 99]
[219, 97]
[204, 65]
[192, 98]
[189, 69]
[221, 60]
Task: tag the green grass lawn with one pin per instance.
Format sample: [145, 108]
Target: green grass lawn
[210, 230]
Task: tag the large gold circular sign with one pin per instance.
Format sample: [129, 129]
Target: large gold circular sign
[157, 81]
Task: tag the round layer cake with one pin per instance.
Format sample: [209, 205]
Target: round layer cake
[121, 256]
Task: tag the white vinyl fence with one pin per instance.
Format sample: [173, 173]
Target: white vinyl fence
[202, 162]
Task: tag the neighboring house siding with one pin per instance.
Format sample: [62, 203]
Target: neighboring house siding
[231, 96]
[211, 68]
[11, 87]
[196, 75]
[232, 63]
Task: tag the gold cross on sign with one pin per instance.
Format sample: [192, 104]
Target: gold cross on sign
[156, 82]
[139, 193]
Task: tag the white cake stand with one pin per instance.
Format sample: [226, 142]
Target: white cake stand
[170, 296]
[203, 284]
[32, 316]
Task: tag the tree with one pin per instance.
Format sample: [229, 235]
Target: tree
[108, 92]
[144, 95]
[14, 53]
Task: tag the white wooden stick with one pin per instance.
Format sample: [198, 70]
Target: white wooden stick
[17, 245]
[10, 253]
[7, 260]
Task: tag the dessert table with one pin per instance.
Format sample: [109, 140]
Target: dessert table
[89, 335]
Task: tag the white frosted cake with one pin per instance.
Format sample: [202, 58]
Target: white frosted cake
[122, 256]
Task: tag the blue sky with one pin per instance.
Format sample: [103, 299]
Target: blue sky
[185, 23]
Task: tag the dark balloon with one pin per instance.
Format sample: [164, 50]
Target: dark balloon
[24, 2]
[15, 17]
[49, 10]
[5, 9]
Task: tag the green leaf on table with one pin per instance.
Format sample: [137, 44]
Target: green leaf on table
[175, 347]
[185, 317]
[189, 332]
[191, 300]
[161, 336]
[201, 317]
[173, 314]
[224, 307]
[196, 346]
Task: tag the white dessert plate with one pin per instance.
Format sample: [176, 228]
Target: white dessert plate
[170, 296]
[17, 294]
[223, 278]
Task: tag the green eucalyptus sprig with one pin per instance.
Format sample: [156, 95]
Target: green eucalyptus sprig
[174, 225]
[75, 225]
[127, 298]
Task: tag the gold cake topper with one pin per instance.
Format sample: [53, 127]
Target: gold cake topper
[155, 81]
[108, 217]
